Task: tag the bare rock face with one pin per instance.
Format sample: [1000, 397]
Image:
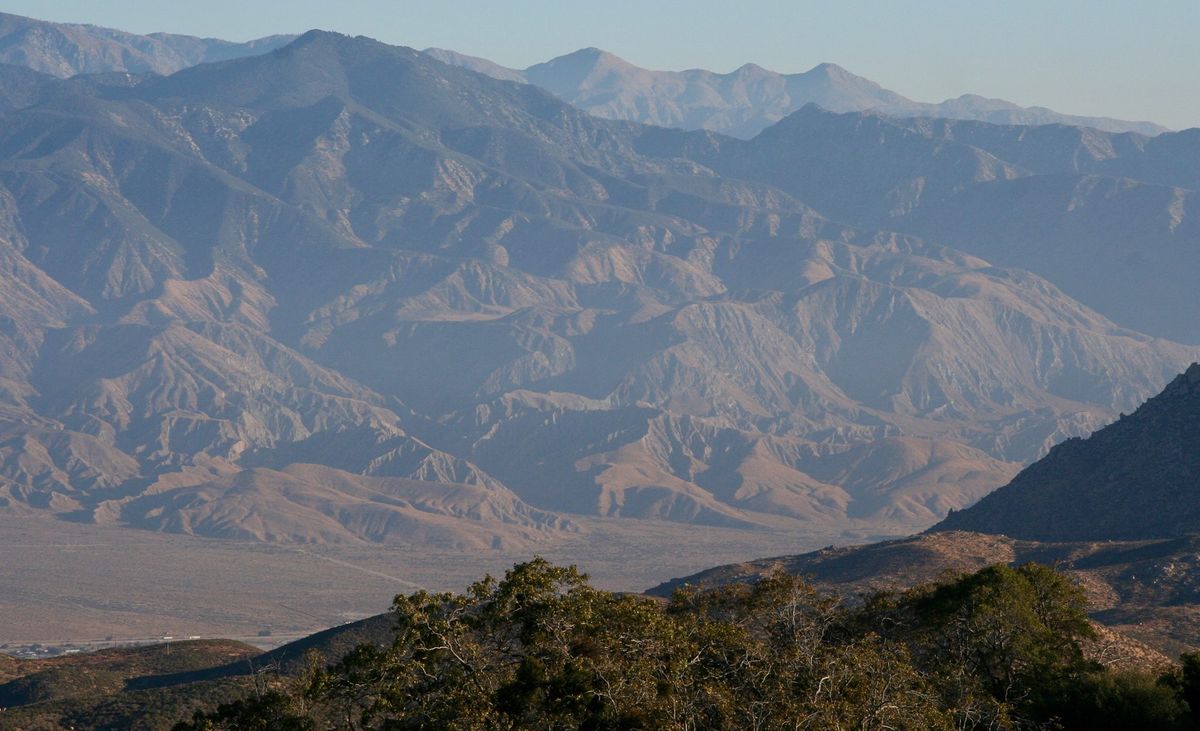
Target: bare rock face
[345, 292]
[1135, 479]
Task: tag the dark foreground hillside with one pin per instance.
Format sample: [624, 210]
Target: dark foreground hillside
[1138, 478]
[156, 686]
[1146, 590]
[107, 688]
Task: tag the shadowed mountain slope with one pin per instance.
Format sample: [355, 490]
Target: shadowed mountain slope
[1118, 510]
[21, 87]
[1132, 480]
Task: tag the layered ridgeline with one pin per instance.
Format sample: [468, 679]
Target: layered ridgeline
[67, 49]
[1116, 510]
[746, 101]
[1027, 188]
[1110, 218]
[345, 292]
[740, 103]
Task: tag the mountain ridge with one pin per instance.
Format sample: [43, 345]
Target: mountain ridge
[353, 252]
[741, 102]
[1037, 198]
[1116, 510]
[1128, 481]
[69, 49]
[750, 98]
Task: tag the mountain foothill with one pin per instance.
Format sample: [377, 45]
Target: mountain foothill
[1116, 511]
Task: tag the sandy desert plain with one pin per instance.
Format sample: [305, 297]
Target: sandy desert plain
[66, 584]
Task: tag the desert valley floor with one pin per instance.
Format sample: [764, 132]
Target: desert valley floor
[78, 584]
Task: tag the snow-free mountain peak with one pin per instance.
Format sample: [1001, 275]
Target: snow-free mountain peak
[67, 49]
[750, 98]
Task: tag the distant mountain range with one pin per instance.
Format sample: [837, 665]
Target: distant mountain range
[344, 292]
[67, 49]
[746, 101]
[740, 103]
[1110, 218]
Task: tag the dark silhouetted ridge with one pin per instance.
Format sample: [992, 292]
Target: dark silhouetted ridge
[1138, 478]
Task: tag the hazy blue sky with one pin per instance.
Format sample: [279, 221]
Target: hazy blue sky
[1138, 60]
